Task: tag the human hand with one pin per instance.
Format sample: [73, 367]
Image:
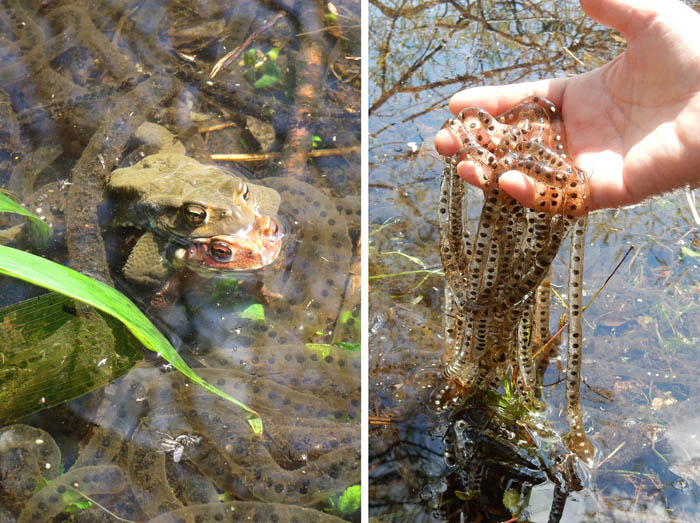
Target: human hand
[633, 124]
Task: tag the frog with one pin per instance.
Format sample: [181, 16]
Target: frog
[229, 252]
[179, 201]
[177, 196]
[308, 290]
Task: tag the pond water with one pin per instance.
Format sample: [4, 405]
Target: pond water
[279, 86]
[641, 334]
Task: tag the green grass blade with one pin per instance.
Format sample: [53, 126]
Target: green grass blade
[45, 273]
[41, 232]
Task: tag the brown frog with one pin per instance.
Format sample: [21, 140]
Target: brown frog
[229, 252]
[317, 263]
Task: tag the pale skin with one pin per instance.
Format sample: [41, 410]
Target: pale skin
[633, 124]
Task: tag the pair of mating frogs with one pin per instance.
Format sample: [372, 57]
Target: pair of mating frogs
[197, 217]
[205, 220]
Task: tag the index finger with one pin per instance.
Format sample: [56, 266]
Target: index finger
[498, 99]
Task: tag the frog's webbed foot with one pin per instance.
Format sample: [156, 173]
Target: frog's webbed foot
[148, 266]
[265, 292]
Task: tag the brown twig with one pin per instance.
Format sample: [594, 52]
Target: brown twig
[259, 157]
[379, 420]
[215, 127]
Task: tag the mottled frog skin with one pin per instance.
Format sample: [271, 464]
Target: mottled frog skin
[176, 196]
[497, 306]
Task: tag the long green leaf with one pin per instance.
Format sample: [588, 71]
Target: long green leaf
[45, 273]
[40, 231]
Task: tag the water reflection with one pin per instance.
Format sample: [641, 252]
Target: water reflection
[639, 334]
[269, 83]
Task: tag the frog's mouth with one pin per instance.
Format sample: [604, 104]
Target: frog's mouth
[248, 251]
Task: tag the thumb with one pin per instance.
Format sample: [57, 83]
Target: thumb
[627, 16]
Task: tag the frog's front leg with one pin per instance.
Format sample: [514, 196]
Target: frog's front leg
[174, 287]
[148, 265]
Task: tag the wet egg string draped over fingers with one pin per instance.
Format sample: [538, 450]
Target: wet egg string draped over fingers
[497, 291]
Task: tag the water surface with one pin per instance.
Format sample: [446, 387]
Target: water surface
[641, 334]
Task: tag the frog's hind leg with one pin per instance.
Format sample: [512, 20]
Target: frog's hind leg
[147, 264]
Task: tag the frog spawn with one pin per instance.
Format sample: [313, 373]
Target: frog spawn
[49, 493]
[176, 447]
[304, 458]
[497, 296]
[30, 463]
[314, 286]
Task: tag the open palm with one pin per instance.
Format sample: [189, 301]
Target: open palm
[633, 124]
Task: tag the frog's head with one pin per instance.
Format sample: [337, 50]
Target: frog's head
[177, 196]
[248, 251]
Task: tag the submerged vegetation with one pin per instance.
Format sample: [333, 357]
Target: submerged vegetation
[266, 86]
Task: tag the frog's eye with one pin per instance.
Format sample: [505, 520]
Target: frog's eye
[246, 193]
[272, 229]
[220, 251]
[194, 214]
